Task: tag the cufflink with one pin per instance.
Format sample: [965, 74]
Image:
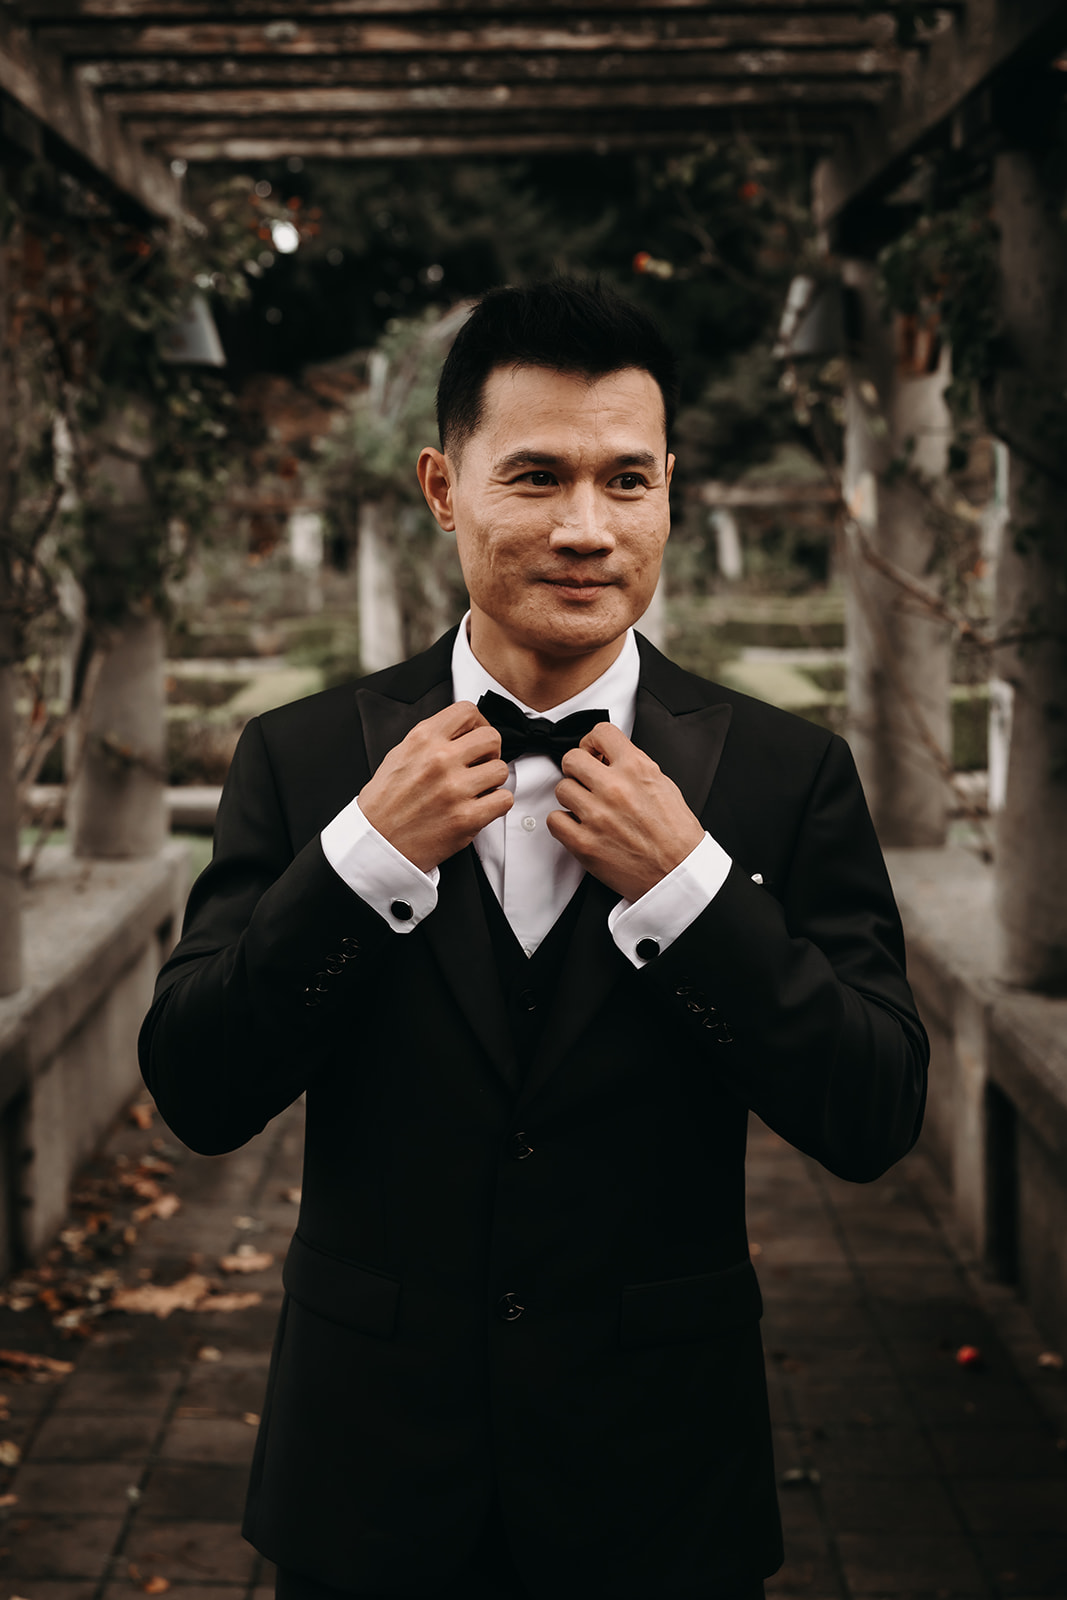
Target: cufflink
[647, 949]
[401, 911]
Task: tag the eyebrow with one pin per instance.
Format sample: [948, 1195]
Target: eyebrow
[543, 459]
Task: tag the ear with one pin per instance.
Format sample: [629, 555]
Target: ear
[669, 474]
[436, 479]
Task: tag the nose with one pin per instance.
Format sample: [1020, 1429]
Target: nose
[584, 524]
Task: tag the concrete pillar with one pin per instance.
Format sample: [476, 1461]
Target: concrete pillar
[116, 807]
[381, 628]
[116, 753]
[1031, 838]
[10, 888]
[898, 653]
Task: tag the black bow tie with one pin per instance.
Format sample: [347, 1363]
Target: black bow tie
[521, 735]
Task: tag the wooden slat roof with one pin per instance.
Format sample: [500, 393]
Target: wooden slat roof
[131, 85]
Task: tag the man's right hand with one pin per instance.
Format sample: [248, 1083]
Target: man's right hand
[438, 788]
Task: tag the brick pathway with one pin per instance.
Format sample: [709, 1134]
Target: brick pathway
[904, 1475]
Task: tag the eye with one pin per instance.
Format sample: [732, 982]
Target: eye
[629, 481]
[539, 479]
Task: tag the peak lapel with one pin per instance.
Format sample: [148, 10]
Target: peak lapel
[456, 929]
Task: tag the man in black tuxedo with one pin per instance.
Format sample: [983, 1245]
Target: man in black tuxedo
[585, 914]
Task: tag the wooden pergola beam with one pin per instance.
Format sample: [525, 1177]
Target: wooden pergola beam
[669, 73]
[956, 65]
[800, 67]
[91, 136]
[41, 11]
[580, 33]
[284, 102]
[248, 150]
[265, 139]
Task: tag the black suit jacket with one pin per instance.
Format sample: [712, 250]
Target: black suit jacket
[623, 1413]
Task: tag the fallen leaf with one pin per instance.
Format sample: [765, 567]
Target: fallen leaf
[292, 1195]
[969, 1355]
[246, 1258]
[153, 1299]
[230, 1302]
[1051, 1359]
[8, 1500]
[755, 1250]
[141, 1114]
[164, 1207]
[209, 1352]
[10, 1454]
[251, 1417]
[156, 1585]
[27, 1359]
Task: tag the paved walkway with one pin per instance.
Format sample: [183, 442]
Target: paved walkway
[904, 1475]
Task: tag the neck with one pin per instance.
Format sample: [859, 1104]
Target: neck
[540, 681]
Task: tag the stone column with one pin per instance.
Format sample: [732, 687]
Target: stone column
[898, 653]
[116, 755]
[116, 807]
[10, 888]
[1031, 839]
[381, 629]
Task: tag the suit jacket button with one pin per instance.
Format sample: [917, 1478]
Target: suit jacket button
[401, 911]
[508, 1308]
[519, 1148]
[528, 1000]
[648, 949]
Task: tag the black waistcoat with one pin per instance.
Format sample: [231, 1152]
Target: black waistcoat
[529, 983]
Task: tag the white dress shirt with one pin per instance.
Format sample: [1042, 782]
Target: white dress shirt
[531, 874]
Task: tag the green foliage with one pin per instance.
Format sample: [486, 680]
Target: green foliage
[116, 460]
[945, 270]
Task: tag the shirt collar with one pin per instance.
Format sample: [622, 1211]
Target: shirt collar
[615, 689]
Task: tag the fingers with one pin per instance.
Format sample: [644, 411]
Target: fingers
[607, 742]
[455, 720]
[477, 745]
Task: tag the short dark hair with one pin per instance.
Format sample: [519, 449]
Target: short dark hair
[565, 325]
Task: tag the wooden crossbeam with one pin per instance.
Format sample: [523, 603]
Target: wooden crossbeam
[248, 150]
[798, 67]
[176, 134]
[88, 136]
[39, 11]
[238, 101]
[578, 32]
[956, 66]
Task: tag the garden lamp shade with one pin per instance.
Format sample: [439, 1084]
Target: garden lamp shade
[193, 341]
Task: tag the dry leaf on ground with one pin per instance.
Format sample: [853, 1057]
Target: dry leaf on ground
[164, 1207]
[8, 1500]
[10, 1454]
[230, 1302]
[292, 1195]
[246, 1258]
[27, 1359]
[156, 1585]
[1051, 1360]
[141, 1114]
[209, 1352]
[153, 1299]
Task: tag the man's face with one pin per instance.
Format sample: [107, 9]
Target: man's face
[560, 509]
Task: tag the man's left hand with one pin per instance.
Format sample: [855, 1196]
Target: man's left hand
[624, 819]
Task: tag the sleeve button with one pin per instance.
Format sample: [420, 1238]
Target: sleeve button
[401, 910]
[648, 949]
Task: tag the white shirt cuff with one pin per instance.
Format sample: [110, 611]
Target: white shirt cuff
[376, 871]
[670, 905]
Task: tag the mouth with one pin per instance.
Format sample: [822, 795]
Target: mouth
[577, 587]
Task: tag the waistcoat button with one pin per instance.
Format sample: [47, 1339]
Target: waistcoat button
[508, 1308]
